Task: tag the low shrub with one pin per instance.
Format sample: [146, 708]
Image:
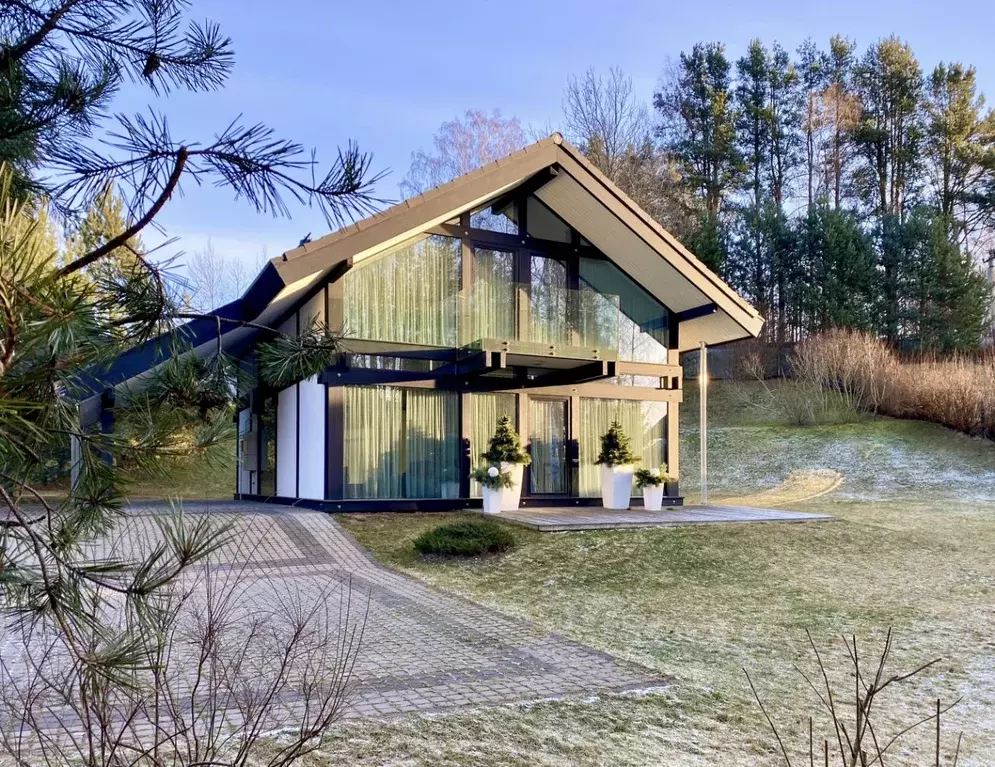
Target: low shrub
[465, 539]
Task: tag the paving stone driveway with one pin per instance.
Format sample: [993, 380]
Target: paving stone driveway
[423, 649]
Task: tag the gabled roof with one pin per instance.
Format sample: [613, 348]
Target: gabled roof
[560, 176]
[583, 197]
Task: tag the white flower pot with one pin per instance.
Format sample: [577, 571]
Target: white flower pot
[653, 497]
[512, 496]
[492, 501]
[616, 486]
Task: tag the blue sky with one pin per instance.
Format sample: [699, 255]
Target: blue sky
[387, 74]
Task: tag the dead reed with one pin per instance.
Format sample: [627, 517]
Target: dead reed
[958, 391]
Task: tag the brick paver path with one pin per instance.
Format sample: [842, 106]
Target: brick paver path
[422, 649]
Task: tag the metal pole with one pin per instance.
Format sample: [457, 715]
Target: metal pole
[703, 417]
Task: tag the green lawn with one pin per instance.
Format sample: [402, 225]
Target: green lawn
[912, 549]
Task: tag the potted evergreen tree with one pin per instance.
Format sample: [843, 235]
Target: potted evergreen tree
[616, 459]
[506, 451]
[651, 482]
[494, 482]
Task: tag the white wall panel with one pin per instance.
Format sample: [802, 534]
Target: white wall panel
[313, 404]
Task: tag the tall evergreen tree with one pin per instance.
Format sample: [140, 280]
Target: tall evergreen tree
[960, 149]
[698, 125]
[61, 63]
[841, 110]
[835, 284]
[890, 132]
[812, 78]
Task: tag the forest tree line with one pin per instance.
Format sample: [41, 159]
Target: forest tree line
[833, 187]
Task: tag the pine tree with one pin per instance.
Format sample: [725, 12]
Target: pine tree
[506, 446]
[890, 132]
[698, 125]
[960, 146]
[616, 447]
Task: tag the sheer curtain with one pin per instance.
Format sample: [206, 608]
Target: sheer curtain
[407, 295]
[431, 444]
[401, 443]
[491, 310]
[373, 424]
[485, 410]
[641, 421]
[547, 419]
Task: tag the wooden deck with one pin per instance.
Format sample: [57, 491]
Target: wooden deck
[558, 519]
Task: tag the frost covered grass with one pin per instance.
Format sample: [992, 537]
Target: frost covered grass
[912, 551]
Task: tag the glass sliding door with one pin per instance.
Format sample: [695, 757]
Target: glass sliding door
[643, 422]
[400, 443]
[373, 426]
[548, 438]
[485, 411]
[431, 444]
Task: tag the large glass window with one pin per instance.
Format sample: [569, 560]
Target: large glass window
[643, 422]
[546, 225]
[485, 411]
[400, 443]
[409, 295]
[267, 447]
[642, 322]
[491, 302]
[548, 306]
[504, 220]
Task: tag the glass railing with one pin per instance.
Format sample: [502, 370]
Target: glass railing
[552, 320]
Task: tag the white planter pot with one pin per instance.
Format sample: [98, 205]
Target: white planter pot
[616, 486]
[653, 497]
[512, 496]
[492, 501]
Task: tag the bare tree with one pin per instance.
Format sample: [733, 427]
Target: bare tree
[462, 145]
[604, 118]
[857, 743]
[611, 126]
[215, 279]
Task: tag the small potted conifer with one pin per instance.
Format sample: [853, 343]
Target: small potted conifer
[494, 482]
[616, 459]
[651, 481]
[506, 451]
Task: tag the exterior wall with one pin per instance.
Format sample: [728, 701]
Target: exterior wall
[311, 440]
[312, 405]
[286, 431]
[286, 443]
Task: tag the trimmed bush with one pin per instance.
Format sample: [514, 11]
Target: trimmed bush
[465, 539]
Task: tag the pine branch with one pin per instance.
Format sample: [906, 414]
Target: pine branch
[134, 229]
